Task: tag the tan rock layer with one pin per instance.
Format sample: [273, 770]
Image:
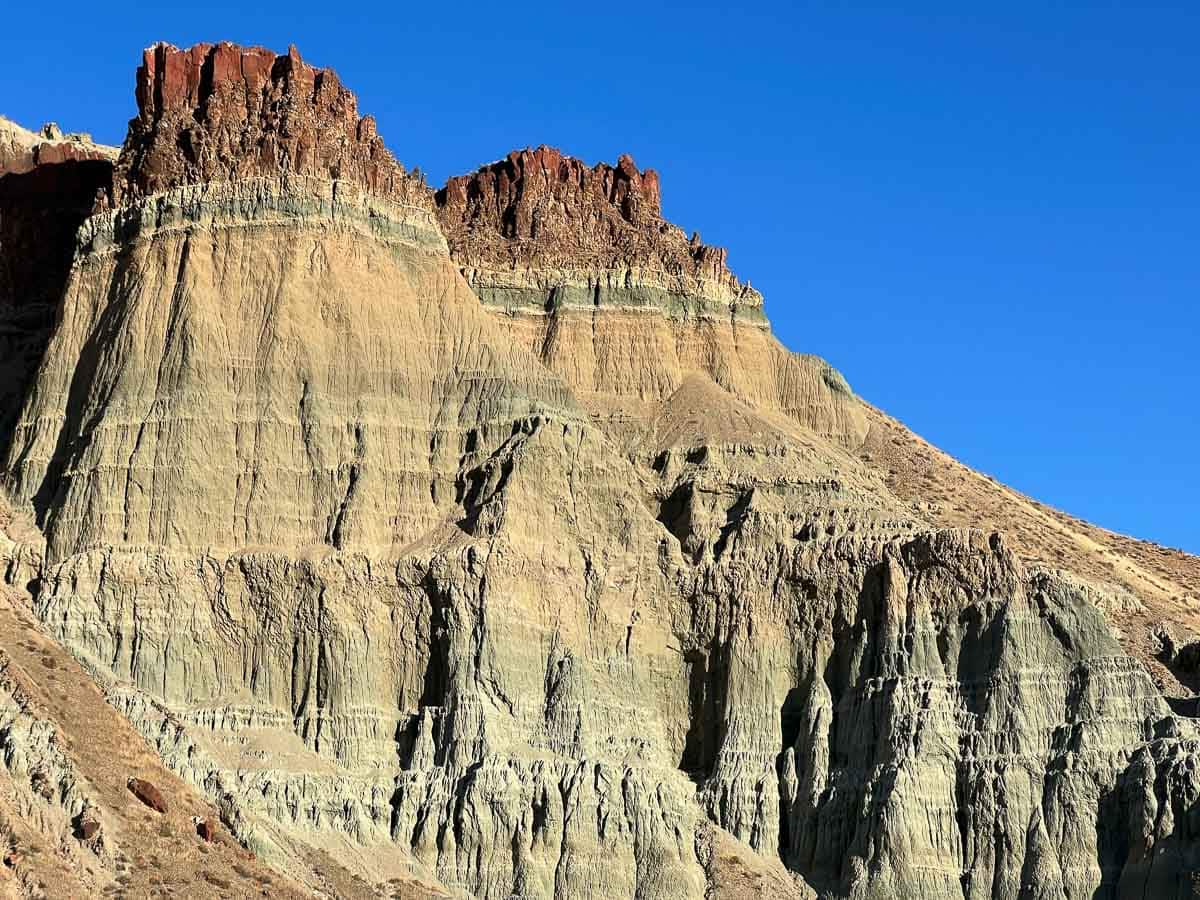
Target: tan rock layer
[291, 330]
[579, 268]
[1155, 584]
[69, 825]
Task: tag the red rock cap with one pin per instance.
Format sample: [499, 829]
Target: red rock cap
[220, 112]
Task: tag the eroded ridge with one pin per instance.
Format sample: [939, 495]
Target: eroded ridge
[219, 113]
[591, 589]
[541, 226]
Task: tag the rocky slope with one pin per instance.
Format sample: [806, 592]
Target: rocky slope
[488, 540]
[1148, 586]
[77, 785]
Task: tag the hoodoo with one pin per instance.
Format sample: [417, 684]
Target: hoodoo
[486, 543]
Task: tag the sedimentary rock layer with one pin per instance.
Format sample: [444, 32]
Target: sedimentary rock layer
[580, 268]
[69, 824]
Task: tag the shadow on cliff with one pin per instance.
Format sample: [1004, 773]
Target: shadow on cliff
[708, 674]
[40, 214]
[85, 408]
[821, 833]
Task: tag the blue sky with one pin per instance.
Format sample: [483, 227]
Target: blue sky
[986, 215]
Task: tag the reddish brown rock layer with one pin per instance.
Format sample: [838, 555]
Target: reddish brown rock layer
[23, 151]
[55, 152]
[542, 209]
[216, 113]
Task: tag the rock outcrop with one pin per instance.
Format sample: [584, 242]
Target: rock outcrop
[1138, 584]
[547, 214]
[490, 541]
[580, 268]
[220, 113]
[22, 151]
[69, 828]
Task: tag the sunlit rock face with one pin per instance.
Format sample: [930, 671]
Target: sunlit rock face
[579, 267]
[488, 535]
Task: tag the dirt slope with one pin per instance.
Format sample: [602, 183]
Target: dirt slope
[1163, 584]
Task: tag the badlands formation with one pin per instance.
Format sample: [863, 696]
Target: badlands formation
[485, 543]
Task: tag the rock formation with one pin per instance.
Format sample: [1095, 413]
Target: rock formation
[69, 827]
[581, 269]
[222, 113]
[488, 540]
[48, 185]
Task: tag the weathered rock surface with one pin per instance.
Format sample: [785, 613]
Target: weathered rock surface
[590, 589]
[1140, 584]
[148, 794]
[544, 213]
[22, 151]
[579, 267]
[220, 113]
[69, 827]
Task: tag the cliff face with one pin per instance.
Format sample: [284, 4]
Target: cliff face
[579, 267]
[48, 185]
[490, 539]
[541, 210]
[222, 113]
[70, 825]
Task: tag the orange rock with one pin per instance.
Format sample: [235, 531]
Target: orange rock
[148, 794]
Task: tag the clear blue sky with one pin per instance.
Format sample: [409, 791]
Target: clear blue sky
[986, 215]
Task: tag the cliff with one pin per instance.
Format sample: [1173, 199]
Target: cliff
[220, 113]
[48, 185]
[489, 541]
[579, 267]
[543, 212]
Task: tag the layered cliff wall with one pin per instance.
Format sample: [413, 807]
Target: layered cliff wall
[579, 267]
[488, 538]
[268, 447]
